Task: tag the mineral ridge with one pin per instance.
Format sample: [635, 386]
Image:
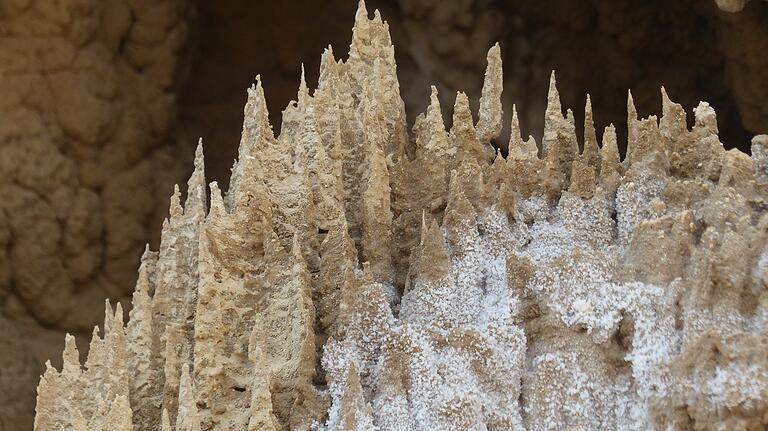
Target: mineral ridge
[356, 277]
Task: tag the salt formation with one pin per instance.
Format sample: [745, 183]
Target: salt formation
[353, 278]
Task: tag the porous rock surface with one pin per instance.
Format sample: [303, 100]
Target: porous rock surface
[86, 101]
[353, 278]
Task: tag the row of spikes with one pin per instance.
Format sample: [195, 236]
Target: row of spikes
[486, 127]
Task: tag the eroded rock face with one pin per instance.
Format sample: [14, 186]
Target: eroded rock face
[355, 278]
[87, 99]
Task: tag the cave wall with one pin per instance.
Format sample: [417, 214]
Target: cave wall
[87, 98]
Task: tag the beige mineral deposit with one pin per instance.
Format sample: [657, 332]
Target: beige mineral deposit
[356, 276]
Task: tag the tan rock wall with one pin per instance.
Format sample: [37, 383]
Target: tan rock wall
[87, 97]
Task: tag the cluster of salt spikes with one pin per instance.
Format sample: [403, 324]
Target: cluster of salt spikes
[355, 279]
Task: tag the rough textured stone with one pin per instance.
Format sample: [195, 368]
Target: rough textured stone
[86, 103]
[355, 278]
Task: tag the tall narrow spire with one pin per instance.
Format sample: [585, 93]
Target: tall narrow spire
[553, 117]
[217, 202]
[70, 357]
[176, 210]
[256, 136]
[361, 32]
[195, 204]
[591, 152]
[631, 126]
[463, 132]
[515, 135]
[490, 116]
[436, 137]
[377, 217]
[611, 168]
[328, 74]
[141, 347]
[303, 95]
[673, 121]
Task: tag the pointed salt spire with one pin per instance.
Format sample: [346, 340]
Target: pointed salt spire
[460, 219]
[666, 103]
[570, 133]
[631, 125]
[437, 136]
[361, 32]
[119, 317]
[610, 149]
[95, 349]
[490, 118]
[176, 210]
[217, 202]
[165, 422]
[109, 318]
[377, 217]
[497, 174]
[303, 96]
[434, 260]
[462, 116]
[196, 199]
[327, 70]
[140, 316]
[261, 114]
[532, 147]
[71, 356]
[256, 135]
[377, 17]
[553, 96]
[519, 149]
[463, 131]
[361, 15]
[187, 419]
[673, 122]
[143, 381]
[591, 151]
[515, 136]
[553, 117]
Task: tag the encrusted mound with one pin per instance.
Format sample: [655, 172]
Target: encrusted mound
[354, 278]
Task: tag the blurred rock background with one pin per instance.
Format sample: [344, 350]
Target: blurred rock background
[102, 102]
